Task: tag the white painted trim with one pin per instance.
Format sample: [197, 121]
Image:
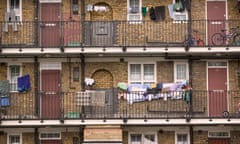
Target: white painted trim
[50, 1]
[142, 135]
[50, 66]
[142, 122]
[175, 70]
[20, 8]
[143, 62]
[182, 131]
[14, 133]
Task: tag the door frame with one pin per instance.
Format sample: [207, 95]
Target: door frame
[48, 66]
[227, 87]
[206, 15]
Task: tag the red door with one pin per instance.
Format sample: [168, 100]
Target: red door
[50, 142]
[217, 141]
[50, 24]
[217, 86]
[50, 102]
[216, 16]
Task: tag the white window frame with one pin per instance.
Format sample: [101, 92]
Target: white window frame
[131, 14]
[9, 74]
[142, 136]
[50, 134]
[218, 134]
[175, 71]
[142, 81]
[179, 14]
[182, 133]
[14, 134]
[18, 12]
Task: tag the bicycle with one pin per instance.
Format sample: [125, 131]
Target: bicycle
[194, 40]
[224, 38]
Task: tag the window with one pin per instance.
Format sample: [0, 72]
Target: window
[180, 12]
[134, 10]
[181, 71]
[76, 74]
[50, 136]
[14, 139]
[181, 138]
[142, 73]
[75, 7]
[143, 139]
[16, 7]
[13, 74]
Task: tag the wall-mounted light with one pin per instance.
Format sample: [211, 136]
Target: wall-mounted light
[90, 8]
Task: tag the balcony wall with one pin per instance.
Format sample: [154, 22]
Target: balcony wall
[105, 104]
[110, 33]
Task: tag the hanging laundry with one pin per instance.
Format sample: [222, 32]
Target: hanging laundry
[4, 87]
[122, 85]
[152, 13]
[160, 13]
[23, 83]
[89, 81]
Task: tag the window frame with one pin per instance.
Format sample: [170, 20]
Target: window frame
[142, 136]
[129, 14]
[9, 75]
[14, 134]
[182, 133]
[142, 81]
[19, 13]
[185, 13]
[175, 71]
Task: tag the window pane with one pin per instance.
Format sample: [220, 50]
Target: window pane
[134, 3]
[181, 71]
[182, 138]
[148, 72]
[134, 6]
[14, 4]
[149, 139]
[14, 139]
[14, 74]
[135, 72]
[135, 138]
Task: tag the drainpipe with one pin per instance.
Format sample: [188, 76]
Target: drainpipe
[36, 136]
[189, 31]
[190, 112]
[83, 71]
[191, 134]
[36, 24]
[83, 19]
[36, 86]
[190, 72]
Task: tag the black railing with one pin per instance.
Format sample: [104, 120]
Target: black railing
[117, 33]
[113, 104]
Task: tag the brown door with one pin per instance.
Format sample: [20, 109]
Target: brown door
[50, 25]
[50, 142]
[50, 103]
[216, 16]
[217, 141]
[217, 86]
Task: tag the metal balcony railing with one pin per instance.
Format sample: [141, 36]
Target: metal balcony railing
[113, 104]
[65, 34]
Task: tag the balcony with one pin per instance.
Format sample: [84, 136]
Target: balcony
[118, 105]
[104, 34]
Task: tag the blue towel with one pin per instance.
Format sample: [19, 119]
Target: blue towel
[23, 83]
[4, 101]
